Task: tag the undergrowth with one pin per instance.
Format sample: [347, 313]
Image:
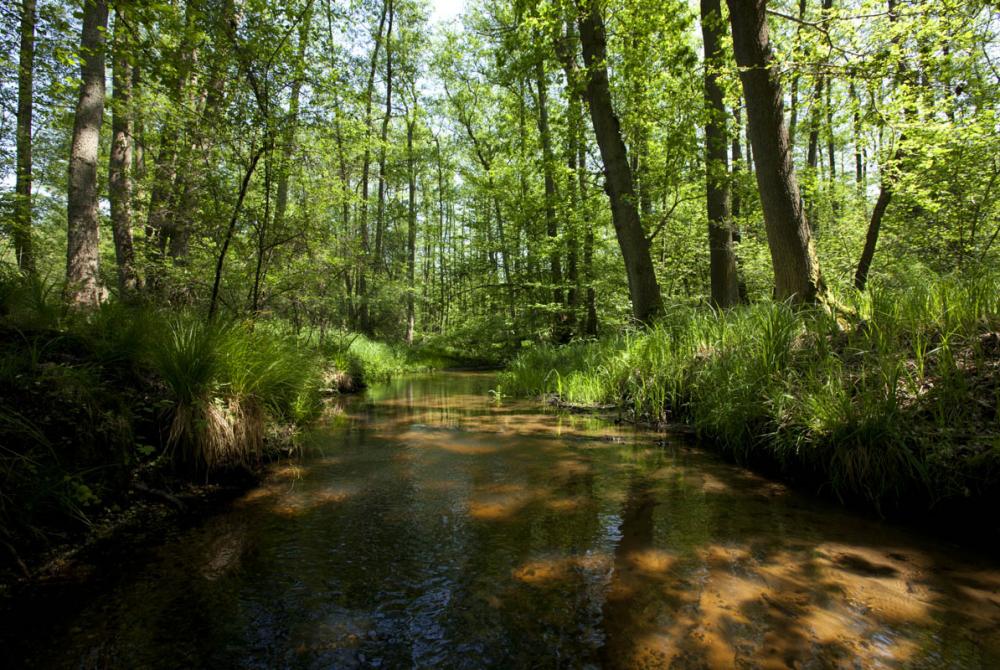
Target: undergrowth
[891, 397]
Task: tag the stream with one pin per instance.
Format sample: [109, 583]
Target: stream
[426, 525]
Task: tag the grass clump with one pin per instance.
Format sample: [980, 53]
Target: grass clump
[891, 399]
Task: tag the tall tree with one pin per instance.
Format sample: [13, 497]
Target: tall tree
[722, 258]
[643, 288]
[25, 101]
[383, 145]
[120, 156]
[292, 122]
[560, 332]
[363, 310]
[793, 256]
[83, 287]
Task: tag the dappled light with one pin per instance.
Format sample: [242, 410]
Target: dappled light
[485, 543]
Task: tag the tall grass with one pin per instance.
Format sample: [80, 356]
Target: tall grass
[226, 383]
[849, 399]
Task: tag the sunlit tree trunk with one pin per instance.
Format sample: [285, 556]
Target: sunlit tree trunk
[411, 231]
[560, 332]
[722, 258]
[25, 99]
[794, 117]
[383, 146]
[292, 122]
[643, 288]
[83, 288]
[796, 268]
[120, 158]
[363, 312]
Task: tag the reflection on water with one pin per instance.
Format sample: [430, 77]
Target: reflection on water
[426, 526]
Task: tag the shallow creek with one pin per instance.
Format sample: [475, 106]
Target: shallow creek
[425, 525]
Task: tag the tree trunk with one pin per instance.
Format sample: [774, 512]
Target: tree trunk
[291, 125]
[559, 331]
[383, 148]
[793, 122]
[890, 175]
[859, 175]
[364, 315]
[874, 226]
[737, 150]
[722, 258]
[83, 288]
[796, 268]
[120, 158]
[643, 289]
[25, 97]
[411, 231]
[220, 261]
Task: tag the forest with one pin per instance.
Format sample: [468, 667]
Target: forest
[773, 223]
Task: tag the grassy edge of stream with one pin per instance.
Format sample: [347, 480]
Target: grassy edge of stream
[890, 401]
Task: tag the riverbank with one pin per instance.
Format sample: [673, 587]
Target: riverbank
[891, 402]
[104, 414]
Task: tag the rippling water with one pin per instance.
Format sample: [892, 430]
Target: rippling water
[426, 526]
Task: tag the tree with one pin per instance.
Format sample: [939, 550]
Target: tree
[643, 288]
[793, 257]
[722, 258]
[25, 101]
[83, 287]
[120, 156]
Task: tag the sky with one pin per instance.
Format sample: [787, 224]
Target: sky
[445, 10]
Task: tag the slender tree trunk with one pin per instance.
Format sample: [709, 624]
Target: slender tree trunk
[722, 258]
[574, 133]
[643, 289]
[25, 98]
[794, 120]
[559, 330]
[890, 175]
[383, 146]
[411, 231]
[291, 125]
[120, 158]
[874, 227]
[220, 261]
[737, 151]
[83, 287]
[859, 169]
[831, 149]
[364, 315]
[796, 268]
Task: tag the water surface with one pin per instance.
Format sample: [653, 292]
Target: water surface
[427, 526]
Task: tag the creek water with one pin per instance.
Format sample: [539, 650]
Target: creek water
[425, 525]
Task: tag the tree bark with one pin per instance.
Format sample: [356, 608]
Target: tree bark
[83, 287]
[291, 125]
[793, 122]
[889, 175]
[722, 259]
[796, 269]
[363, 312]
[383, 146]
[874, 226]
[643, 289]
[120, 158]
[560, 333]
[411, 231]
[25, 97]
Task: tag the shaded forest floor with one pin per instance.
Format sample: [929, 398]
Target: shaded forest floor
[891, 403]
